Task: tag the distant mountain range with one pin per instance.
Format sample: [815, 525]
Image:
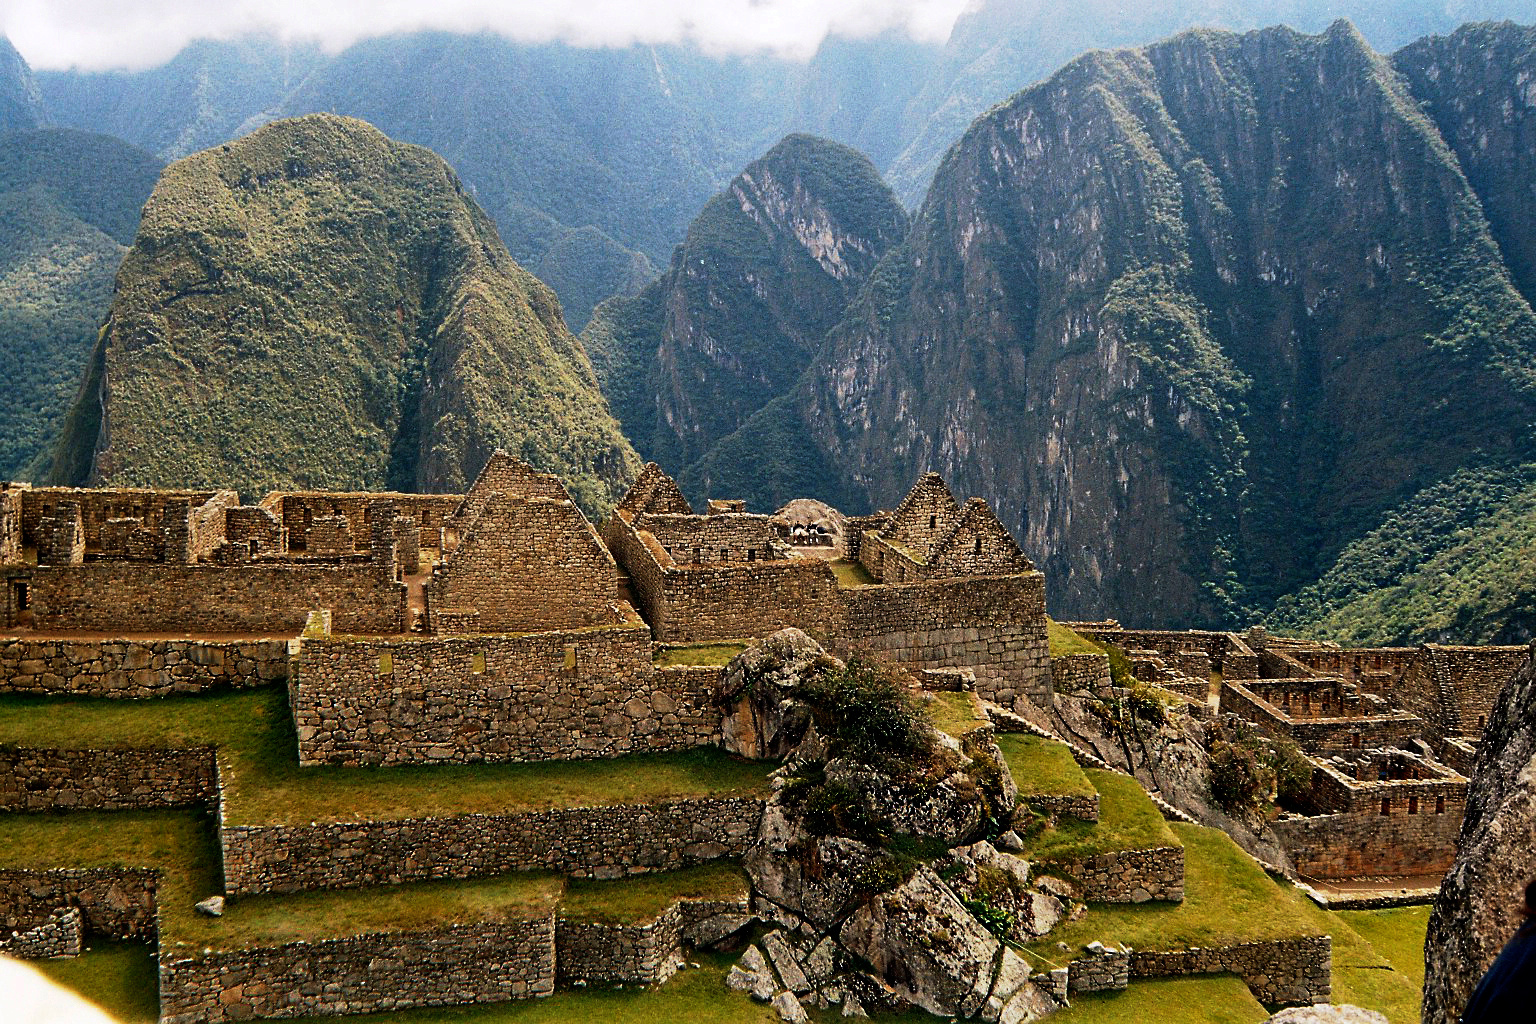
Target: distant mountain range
[1228, 328]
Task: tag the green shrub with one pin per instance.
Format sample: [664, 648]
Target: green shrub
[1240, 781]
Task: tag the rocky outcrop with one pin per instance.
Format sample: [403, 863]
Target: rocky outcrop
[1477, 909]
[864, 926]
[1344, 1013]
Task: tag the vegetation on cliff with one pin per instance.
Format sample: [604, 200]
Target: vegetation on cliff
[317, 306]
[69, 206]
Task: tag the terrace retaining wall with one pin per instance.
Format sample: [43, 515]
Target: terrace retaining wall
[1129, 876]
[642, 954]
[1283, 972]
[112, 779]
[61, 935]
[597, 842]
[482, 963]
[138, 668]
[116, 903]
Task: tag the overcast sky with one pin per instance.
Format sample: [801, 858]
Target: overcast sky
[96, 34]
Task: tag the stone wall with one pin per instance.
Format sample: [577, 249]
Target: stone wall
[1080, 673]
[1101, 969]
[1453, 688]
[39, 779]
[1320, 735]
[527, 564]
[1283, 972]
[537, 697]
[205, 524]
[296, 510]
[97, 505]
[1059, 805]
[854, 528]
[1129, 876]
[257, 526]
[10, 522]
[992, 624]
[61, 935]
[632, 954]
[482, 963]
[250, 598]
[138, 668]
[116, 903]
[691, 539]
[1228, 653]
[601, 842]
[1366, 843]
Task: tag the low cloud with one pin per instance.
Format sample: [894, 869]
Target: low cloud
[103, 34]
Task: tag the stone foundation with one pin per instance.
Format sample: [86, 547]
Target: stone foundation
[61, 935]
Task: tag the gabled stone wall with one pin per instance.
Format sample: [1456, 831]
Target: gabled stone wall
[690, 539]
[528, 564]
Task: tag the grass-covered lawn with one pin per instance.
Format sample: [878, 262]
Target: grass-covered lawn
[265, 785]
[698, 654]
[1366, 940]
[1042, 767]
[851, 574]
[1067, 641]
[1128, 820]
[644, 897]
[1227, 899]
[955, 712]
[1204, 999]
[120, 978]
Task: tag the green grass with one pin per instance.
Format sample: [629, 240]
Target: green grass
[644, 897]
[698, 654]
[1227, 899]
[1066, 641]
[1205, 999]
[1043, 767]
[955, 712]
[1128, 820]
[1364, 941]
[119, 977]
[265, 785]
[851, 574]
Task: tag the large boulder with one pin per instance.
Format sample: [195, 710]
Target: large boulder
[920, 940]
[765, 716]
[1478, 907]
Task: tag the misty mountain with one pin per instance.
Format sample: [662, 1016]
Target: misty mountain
[20, 102]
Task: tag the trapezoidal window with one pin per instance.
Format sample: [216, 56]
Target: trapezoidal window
[1386, 805]
[1413, 805]
[1439, 805]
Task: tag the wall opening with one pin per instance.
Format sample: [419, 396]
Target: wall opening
[1386, 805]
[1413, 805]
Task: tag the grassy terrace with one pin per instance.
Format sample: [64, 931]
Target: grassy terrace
[265, 785]
[645, 897]
[851, 574]
[698, 654]
[1205, 999]
[1128, 820]
[1042, 767]
[955, 713]
[1066, 641]
[180, 845]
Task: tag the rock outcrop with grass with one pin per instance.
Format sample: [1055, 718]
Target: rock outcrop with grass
[874, 858]
[318, 306]
[1478, 907]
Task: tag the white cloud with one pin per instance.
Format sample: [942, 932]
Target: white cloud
[31, 998]
[98, 34]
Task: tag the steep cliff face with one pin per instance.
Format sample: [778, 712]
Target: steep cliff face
[767, 268]
[69, 206]
[316, 305]
[1478, 85]
[1477, 909]
[1191, 317]
[20, 102]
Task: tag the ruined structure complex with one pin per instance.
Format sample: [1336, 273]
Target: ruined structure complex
[1391, 732]
[502, 636]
